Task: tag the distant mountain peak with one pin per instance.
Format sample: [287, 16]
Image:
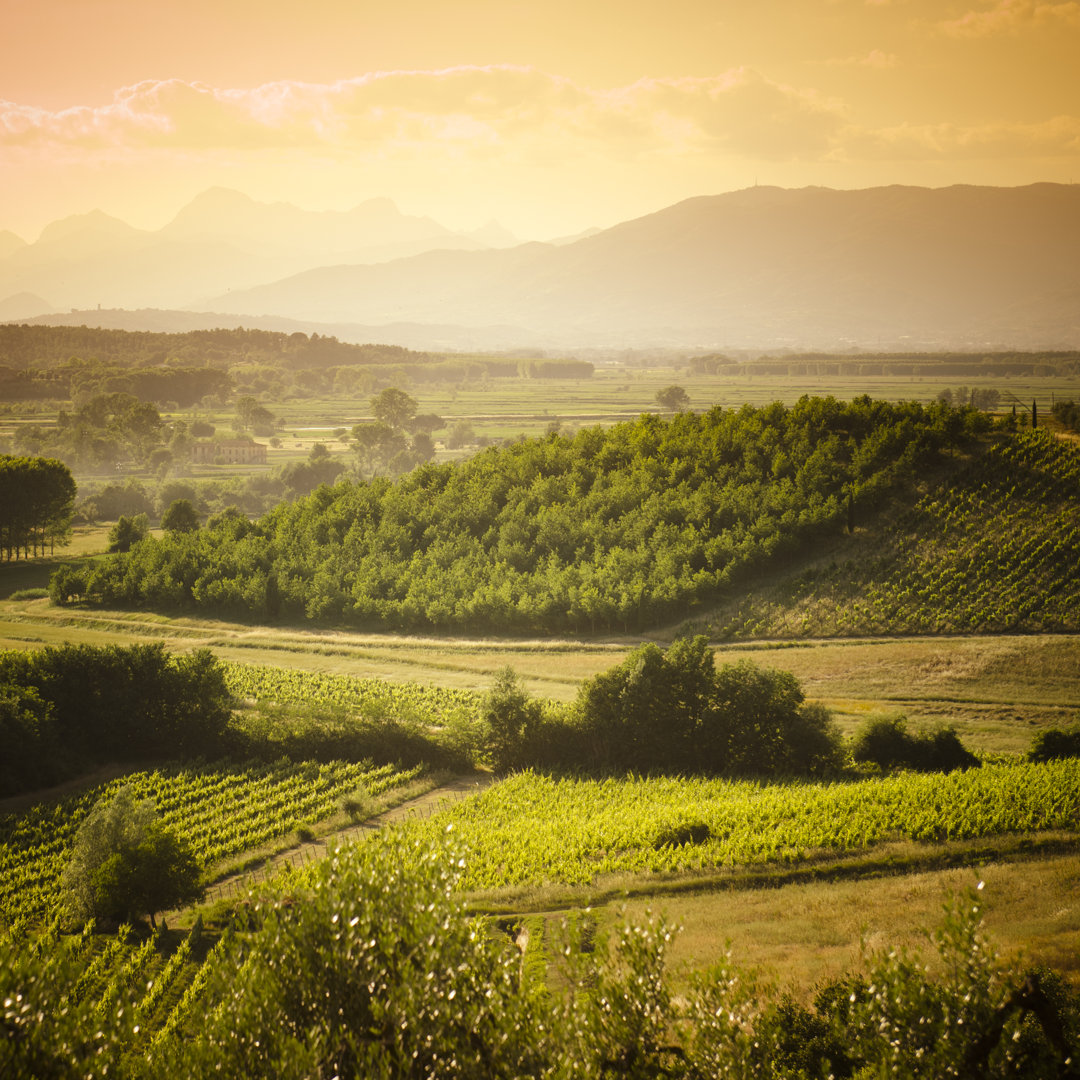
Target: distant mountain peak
[94, 222]
[10, 243]
[493, 235]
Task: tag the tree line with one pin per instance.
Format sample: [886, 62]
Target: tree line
[613, 528]
[65, 709]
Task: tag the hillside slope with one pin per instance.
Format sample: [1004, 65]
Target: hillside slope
[993, 547]
[763, 266]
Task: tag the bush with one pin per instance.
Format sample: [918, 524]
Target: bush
[885, 741]
[1055, 743]
[676, 711]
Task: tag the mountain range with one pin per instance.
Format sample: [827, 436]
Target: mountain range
[956, 267]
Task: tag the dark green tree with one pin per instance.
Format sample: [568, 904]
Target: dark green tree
[181, 517]
[394, 407]
[126, 864]
[128, 531]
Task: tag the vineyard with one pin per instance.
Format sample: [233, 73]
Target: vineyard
[532, 830]
[997, 549]
[220, 810]
[371, 697]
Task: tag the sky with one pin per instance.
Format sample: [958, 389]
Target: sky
[550, 117]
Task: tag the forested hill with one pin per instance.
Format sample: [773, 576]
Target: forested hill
[34, 347]
[613, 529]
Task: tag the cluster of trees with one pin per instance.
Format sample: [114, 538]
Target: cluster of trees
[185, 368]
[887, 743]
[37, 499]
[105, 431]
[1067, 413]
[974, 397]
[668, 711]
[674, 711]
[64, 709]
[924, 364]
[611, 528]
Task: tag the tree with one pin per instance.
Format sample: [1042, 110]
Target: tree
[181, 516]
[394, 407]
[673, 398]
[37, 498]
[126, 863]
[128, 531]
[509, 716]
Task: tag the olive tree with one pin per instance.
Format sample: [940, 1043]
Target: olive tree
[126, 863]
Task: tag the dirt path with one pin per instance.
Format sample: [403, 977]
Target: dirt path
[423, 806]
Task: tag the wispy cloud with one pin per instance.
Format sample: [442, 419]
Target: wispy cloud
[1013, 17]
[514, 116]
[389, 112]
[1057, 137]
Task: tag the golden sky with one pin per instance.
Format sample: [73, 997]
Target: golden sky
[548, 116]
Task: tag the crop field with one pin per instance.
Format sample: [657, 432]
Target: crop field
[537, 831]
[995, 549]
[220, 810]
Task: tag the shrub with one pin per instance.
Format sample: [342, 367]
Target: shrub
[509, 718]
[1055, 743]
[885, 741]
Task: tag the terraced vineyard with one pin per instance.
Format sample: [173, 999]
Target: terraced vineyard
[997, 550]
[220, 810]
[532, 830]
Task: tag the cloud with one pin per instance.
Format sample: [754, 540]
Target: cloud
[517, 119]
[1057, 137]
[1013, 17]
[504, 107]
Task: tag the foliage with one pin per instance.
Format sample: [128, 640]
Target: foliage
[1067, 413]
[125, 863]
[612, 528]
[674, 711]
[37, 497]
[48, 1028]
[885, 741]
[673, 398]
[373, 971]
[128, 531]
[1054, 743]
[510, 719]
[113, 703]
[67, 585]
[180, 517]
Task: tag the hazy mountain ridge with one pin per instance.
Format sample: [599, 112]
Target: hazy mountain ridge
[958, 267]
[222, 240]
